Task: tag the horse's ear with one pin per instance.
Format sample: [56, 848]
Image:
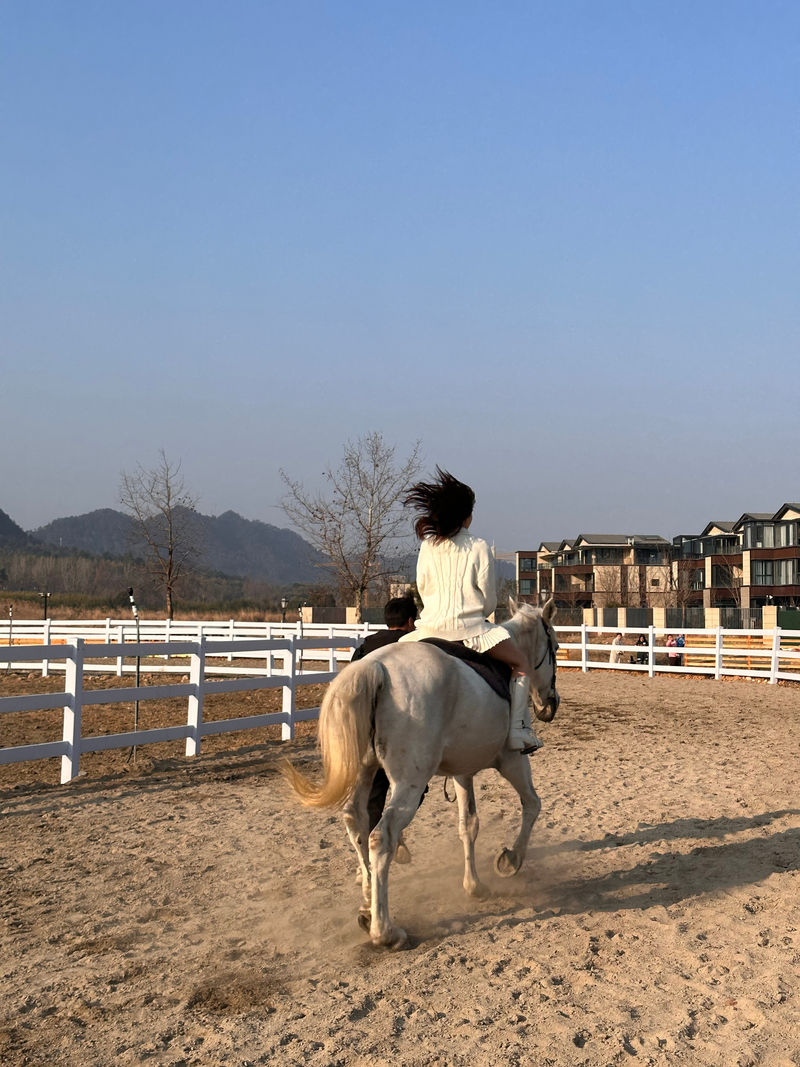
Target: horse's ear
[513, 605]
[549, 611]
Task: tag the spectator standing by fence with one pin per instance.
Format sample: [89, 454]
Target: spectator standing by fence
[641, 643]
[672, 657]
[680, 641]
[615, 656]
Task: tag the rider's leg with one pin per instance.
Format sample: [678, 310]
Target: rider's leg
[507, 652]
[521, 735]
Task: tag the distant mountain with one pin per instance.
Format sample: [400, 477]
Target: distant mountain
[104, 532]
[230, 544]
[13, 536]
[254, 549]
[505, 570]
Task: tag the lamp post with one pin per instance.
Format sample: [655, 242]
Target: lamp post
[135, 611]
[44, 597]
[10, 632]
[284, 606]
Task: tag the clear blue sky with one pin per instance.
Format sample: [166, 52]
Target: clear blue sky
[557, 242]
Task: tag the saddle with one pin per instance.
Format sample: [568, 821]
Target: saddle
[497, 675]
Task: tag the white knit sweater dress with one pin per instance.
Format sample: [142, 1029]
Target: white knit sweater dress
[456, 583]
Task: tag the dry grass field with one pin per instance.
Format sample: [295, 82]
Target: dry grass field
[188, 912]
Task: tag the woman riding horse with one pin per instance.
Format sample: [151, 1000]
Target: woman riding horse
[455, 579]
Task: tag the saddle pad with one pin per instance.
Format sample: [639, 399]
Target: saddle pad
[494, 673]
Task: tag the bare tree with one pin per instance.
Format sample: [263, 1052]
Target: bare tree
[357, 522]
[610, 585]
[165, 521]
[727, 577]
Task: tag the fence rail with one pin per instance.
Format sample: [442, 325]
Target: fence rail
[772, 655]
[94, 632]
[282, 668]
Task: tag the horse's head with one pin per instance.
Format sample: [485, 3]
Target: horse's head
[532, 629]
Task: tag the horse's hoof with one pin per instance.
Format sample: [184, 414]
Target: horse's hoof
[396, 938]
[402, 855]
[478, 891]
[365, 920]
[507, 863]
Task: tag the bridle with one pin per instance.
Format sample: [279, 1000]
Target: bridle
[549, 652]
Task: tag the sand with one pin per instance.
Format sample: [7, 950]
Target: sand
[190, 912]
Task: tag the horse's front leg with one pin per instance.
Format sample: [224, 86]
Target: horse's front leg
[516, 769]
[398, 813]
[468, 826]
[356, 820]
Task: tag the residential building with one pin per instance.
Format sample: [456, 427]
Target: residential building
[746, 564]
[597, 570]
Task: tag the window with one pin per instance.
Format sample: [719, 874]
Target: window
[527, 563]
[764, 536]
[761, 572]
[785, 571]
[655, 581]
[786, 534]
[727, 577]
[527, 587]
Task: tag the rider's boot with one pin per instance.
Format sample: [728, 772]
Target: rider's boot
[521, 735]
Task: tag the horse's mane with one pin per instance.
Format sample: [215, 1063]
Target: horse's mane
[524, 617]
[522, 624]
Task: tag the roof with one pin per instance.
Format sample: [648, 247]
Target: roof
[623, 540]
[719, 528]
[783, 509]
[753, 516]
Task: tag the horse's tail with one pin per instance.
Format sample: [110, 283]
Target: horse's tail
[345, 730]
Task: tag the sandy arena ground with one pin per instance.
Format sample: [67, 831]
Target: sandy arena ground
[189, 912]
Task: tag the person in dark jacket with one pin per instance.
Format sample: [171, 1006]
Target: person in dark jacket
[399, 615]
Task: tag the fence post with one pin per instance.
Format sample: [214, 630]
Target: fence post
[46, 641]
[197, 670]
[331, 652]
[288, 704]
[775, 660]
[584, 649]
[651, 651]
[718, 653]
[120, 641]
[73, 707]
[231, 635]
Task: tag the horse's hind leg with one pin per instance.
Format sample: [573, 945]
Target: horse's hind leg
[516, 769]
[356, 820]
[383, 841]
[468, 826]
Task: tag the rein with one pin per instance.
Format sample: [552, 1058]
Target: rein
[548, 652]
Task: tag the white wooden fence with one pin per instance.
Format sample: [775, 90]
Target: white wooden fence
[73, 660]
[108, 631]
[216, 650]
[771, 655]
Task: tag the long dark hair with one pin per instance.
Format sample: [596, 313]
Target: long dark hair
[443, 506]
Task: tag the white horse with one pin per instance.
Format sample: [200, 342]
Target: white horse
[418, 712]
